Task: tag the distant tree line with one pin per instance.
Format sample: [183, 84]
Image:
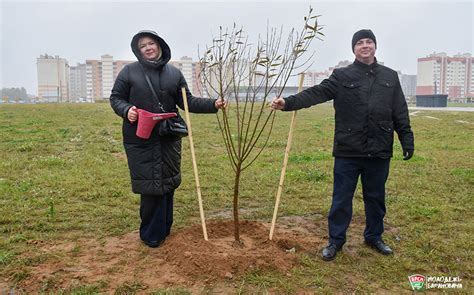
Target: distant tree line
[14, 93]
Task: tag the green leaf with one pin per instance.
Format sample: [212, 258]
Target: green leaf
[299, 51]
[310, 27]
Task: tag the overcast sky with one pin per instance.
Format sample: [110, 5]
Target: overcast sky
[405, 30]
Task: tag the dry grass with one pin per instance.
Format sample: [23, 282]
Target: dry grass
[63, 176]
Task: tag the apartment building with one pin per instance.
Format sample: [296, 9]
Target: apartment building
[439, 73]
[101, 75]
[53, 78]
[78, 82]
[312, 78]
[93, 80]
[191, 71]
[408, 84]
[107, 67]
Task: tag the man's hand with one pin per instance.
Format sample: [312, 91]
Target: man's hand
[407, 154]
[132, 114]
[220, 104]
[278, 103]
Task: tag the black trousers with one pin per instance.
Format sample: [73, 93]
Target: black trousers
[374, 174]
[156, 213]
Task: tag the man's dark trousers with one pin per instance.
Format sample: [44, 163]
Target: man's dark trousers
[374, 174]
[156, 213]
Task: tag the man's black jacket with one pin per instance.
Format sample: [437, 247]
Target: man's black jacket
[369, 105]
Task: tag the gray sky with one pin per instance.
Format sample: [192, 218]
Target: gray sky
[77, 31]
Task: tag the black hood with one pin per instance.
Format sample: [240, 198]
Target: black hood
[165, 49]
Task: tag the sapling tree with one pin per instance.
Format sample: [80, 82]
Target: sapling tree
[249, 76]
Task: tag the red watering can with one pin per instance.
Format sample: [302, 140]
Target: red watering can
[148, 120]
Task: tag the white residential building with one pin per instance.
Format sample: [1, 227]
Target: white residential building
[94, 79]
[191, 71]
[101, 75]
[408, 83]
[53, 78]
[312, 78]
[107, 77]
[442, 74]
[78, 82]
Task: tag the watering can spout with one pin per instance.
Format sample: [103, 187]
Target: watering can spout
[148, 120]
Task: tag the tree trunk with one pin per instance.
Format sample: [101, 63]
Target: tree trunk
[236, 204]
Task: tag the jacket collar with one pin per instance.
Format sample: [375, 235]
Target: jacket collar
[364, 66]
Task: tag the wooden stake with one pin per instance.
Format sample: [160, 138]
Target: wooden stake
[285, 163]
[198, 186]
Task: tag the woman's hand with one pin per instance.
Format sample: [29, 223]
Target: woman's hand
[132, 114]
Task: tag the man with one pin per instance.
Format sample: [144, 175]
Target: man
[369, 105]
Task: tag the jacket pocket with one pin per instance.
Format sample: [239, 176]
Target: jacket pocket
[351, 91]
[171, 155]
[386, 83]
[385, 136]
[140, 161]
[386, 126]
[129, 131]
[350, 137]
[385, 90]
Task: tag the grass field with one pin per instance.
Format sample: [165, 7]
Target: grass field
[458, 104]
[63, 177]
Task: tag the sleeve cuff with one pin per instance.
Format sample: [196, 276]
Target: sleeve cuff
[287, 105]
[126, 112]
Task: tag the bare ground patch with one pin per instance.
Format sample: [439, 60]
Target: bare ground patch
[184, 260]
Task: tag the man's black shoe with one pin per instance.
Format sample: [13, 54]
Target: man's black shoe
[329, 253]
[153, 244]
[380, 246]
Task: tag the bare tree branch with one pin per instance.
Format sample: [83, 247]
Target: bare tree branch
[247, 75]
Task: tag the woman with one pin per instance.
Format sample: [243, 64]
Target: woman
[154, 163]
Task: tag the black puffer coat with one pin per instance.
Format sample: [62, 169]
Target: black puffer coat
[154, 163]
[369, 105]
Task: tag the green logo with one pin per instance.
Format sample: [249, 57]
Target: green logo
[417, 282]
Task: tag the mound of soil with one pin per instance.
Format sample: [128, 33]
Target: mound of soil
[185, 259]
